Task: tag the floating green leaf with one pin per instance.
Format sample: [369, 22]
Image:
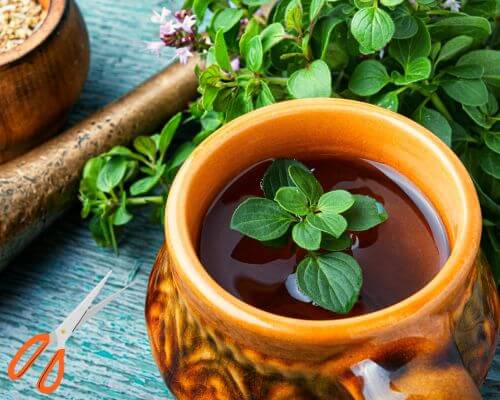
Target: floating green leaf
[306, 182]
[331, 280]
[336, 201]
[261, 219]
[305, 236]
[330, 223]
[277, 176]
[365, 214]
[331, 243]
[292, 200]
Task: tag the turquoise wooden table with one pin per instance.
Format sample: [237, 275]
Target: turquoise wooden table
[109, 358]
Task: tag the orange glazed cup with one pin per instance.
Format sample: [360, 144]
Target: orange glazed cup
[436, 344]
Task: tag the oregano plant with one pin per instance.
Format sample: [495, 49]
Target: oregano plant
[295, 206]
[435, 61]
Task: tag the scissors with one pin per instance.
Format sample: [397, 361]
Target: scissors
[81, 314]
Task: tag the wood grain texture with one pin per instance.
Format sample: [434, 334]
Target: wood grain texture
[41, 79]
[110, 357]
[36, 187]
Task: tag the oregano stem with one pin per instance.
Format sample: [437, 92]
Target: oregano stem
[440, 106]
[136, 201]
[275, 80]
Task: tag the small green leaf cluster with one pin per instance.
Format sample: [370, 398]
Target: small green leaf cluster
[124, 178]
[296, 206]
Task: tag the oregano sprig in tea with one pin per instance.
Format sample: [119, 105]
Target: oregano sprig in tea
[295, 205]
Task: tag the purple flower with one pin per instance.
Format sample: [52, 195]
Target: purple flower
[452, 5]
[160, 18]
[168, 28]
[187, 23]
[184, 54]
[154, 47]
[235, 64]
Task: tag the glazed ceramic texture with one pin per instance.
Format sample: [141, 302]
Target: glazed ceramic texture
[437, 344]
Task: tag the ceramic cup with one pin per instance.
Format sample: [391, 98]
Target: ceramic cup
[436, 344]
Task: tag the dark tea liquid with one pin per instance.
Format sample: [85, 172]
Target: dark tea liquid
[398, 257]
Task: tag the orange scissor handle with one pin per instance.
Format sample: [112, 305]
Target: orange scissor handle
[57, 358]
[43, 339]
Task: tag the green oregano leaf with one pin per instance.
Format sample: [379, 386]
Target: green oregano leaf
[373, 29]
[121, 216]
[489, 59]
[315, 8]
[312, 81]
[145, 145]
[226, 19]
[405, 24]
[265, 96]
[365, 214]
[454, 47]
[306, 182]
[469, 92]
[292, 200]
[476, 27]
[492, 140]
[415, 70]
[144, 185]
[332, 280]
[168, 132]
[221, 53]
[277, 176]
[272, 35]
[435, 122]
[200, 7]
[306, 236]
[254, 54]
[331, 243]
[389, 100]
[336, 201]
[466, 71]
[252, 29]
[261, 219]
[111, 174]
[368, 78]
[330, 223]
[490, 163]
[90, 174]
[293, 16]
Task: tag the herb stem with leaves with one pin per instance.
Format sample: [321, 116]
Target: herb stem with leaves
[296, 207]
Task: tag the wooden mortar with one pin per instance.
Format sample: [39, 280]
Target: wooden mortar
[41, 79]
[38, 186]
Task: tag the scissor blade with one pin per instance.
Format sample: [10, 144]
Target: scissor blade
[99, 306]
[68, 326]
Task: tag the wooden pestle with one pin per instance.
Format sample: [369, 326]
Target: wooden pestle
[38, 186]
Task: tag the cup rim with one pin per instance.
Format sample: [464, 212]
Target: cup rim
[208, 292]
[55, 12]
